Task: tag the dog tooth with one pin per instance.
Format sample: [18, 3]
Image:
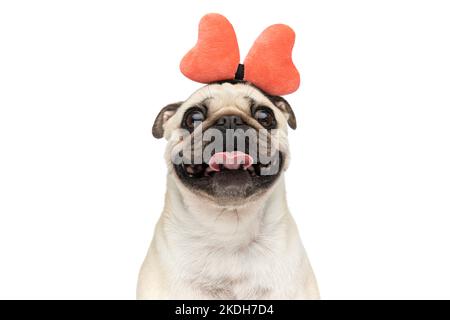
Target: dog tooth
[189, 169]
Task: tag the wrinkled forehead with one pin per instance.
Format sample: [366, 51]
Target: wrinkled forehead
[219, 96]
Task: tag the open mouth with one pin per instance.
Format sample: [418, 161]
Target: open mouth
[231, 177]
[234, 163]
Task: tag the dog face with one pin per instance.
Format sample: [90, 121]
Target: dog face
[227, 142]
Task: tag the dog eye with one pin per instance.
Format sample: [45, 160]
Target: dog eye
[265, 117]
[193, 117]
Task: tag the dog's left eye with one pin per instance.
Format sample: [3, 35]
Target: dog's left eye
[265, 117]
[193, 117]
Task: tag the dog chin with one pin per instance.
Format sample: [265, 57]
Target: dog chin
[230, 187]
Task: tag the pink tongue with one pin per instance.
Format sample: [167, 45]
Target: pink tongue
[230, 160]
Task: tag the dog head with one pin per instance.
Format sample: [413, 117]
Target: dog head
[227, 143]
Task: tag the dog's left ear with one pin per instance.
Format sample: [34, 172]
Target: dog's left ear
[165, 114]
[284, 106]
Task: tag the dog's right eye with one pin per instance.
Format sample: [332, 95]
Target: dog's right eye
[265, 117]
[193, 117]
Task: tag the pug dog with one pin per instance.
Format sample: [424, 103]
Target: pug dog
[226, 231]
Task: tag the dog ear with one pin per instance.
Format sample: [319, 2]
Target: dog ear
[162, 117]
[284, 106]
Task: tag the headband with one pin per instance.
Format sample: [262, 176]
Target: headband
[268, 65]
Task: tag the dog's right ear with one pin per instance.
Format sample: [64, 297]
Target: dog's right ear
[284, 106]
[162, 117]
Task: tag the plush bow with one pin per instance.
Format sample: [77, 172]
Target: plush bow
[216, 57]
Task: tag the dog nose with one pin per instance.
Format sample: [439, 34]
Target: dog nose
[230, 122]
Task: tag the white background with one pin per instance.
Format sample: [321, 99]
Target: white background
[82, 179]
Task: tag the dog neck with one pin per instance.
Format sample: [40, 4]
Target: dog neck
[195, 218]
